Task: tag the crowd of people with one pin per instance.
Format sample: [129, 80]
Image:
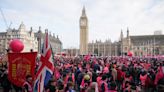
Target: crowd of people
[99, 74]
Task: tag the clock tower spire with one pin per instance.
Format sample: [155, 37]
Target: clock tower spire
[83, 33]
[83, 12]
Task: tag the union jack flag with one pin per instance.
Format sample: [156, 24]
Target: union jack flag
[45, 70]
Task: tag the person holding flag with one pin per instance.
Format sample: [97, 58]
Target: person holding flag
[46, 67]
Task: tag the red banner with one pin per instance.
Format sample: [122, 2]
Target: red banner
[20, 65]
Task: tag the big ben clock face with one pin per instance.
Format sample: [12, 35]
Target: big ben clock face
[83, 22]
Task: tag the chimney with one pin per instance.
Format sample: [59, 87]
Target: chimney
[31, 28]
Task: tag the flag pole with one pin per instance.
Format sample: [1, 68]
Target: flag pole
[154, 47]
[104, 48]
[93, 47]
[148, 47]
[151, 48]
[143, 48]
[98, 48]
[110, 48]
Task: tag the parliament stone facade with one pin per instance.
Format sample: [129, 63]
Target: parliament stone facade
[142, 45]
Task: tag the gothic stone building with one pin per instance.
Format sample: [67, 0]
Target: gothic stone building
[55, 42]
[106, 48]
[143, 45]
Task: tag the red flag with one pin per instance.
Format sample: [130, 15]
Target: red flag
[20, 65]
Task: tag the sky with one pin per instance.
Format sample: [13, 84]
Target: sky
[106, 18]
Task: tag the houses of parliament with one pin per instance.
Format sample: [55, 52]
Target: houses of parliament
[142, 45]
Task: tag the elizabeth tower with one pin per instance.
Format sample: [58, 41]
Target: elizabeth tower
[83, 33]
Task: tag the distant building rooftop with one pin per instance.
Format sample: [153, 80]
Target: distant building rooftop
[157, 39]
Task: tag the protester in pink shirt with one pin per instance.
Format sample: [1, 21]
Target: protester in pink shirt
[143, 78]
[159, 75]
[127, 77]
[103, 86]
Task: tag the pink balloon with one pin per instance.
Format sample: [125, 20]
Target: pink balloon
[130, 53]
[16, 45]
